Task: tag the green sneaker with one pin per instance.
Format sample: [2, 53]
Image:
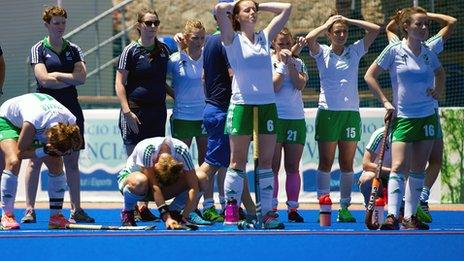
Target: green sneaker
[271, 221]
[211, 214]
[423, 213]
[344, 215]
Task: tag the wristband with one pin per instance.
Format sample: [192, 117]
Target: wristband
[282, 68]
[164, 211]
[40, 153]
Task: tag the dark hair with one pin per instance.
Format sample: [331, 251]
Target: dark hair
[404, 15]
[236, 10]
[51, 11]
[158, 45]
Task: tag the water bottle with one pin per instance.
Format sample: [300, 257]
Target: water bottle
[231, 216]
[378, 215]
[325, 211]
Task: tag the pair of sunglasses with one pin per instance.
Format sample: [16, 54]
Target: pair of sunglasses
[152, 23]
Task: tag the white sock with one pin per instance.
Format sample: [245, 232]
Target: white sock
[413, 190]
[346, 183]
[323, 183]
[424, 197]
[395, 192]
[56, 189]
[9, 186]
[266, 187]
[130, 199]
[233, 184]
[208, 202]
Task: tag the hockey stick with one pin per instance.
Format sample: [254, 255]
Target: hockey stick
[259, 214]
[101, 227]
[376, 182]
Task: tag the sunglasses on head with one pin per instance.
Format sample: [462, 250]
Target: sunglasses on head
[152, 23]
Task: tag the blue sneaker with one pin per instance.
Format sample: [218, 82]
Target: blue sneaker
[195, 218]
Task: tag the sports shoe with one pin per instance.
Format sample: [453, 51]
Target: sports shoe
[294, 216]
[9, 221]
[391, 223]
[29, 216]
[423, 213]
[210, 214]
[195, 218]
[413, 223]
[57, 221]
[127, 218]
[80, 216]
[270, 221]
[143, 213]
[344, 215]
[241, 214]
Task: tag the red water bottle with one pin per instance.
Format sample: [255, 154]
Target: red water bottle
[325, 211]
[378, 215]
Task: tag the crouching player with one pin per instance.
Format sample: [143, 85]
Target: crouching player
[160, 169]
[35, 125]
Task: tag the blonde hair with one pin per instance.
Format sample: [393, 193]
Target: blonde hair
[51, 11]
[193, 24]
[64, 137]
[167, 169]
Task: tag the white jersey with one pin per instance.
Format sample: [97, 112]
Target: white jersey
[289, 100]
[146, 151]
[41, 110]
[251, 63]
[374, 145]
[187, 82]
[434, 43]
[339, 77]
[410, 76]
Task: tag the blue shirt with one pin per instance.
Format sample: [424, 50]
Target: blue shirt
[64, 61]
[146, 81]
[215, 65]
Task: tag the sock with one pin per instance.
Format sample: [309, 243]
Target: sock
[208, 202]
[130, 199]
[346, 183]
[233, 184]
[56, 189]
[413, 190]
[9, 186]
[266, 181]
[323, 183]
[275, 194]
[292, 187]
[395, 192]
[424, 196]
[222, 201]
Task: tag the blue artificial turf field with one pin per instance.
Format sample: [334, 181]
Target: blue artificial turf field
[347, 241]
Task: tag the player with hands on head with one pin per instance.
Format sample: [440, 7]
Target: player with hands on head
[436, 44]
[289, 77]
[157, 170]
[338, 122]
[36, 126]
[413, 69]
[249, 56]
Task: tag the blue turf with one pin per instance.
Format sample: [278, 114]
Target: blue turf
[346, 241]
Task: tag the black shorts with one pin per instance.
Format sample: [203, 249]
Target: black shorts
[153, 124]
